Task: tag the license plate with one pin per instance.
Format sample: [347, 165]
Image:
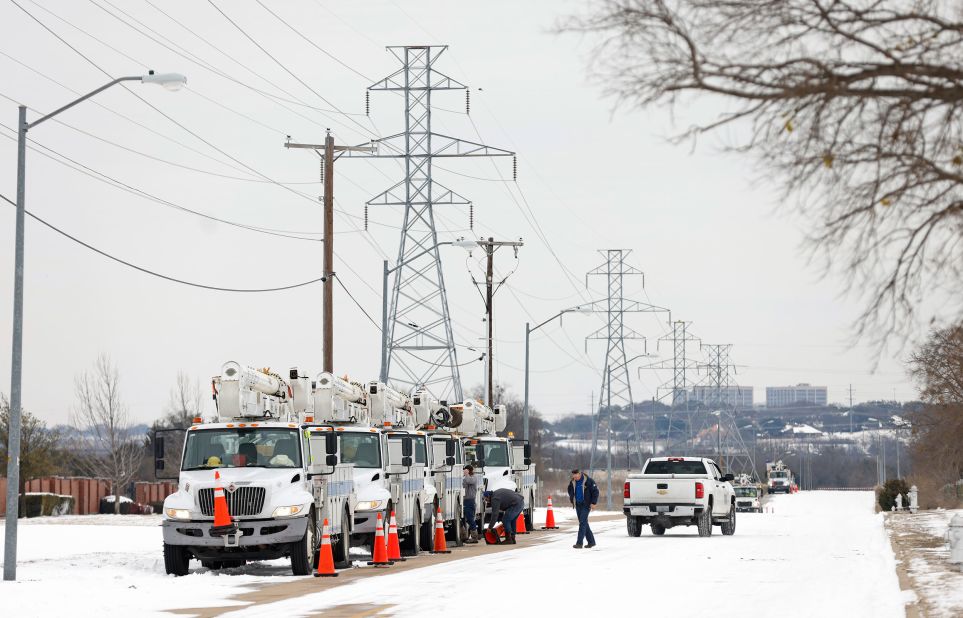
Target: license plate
[662, 509]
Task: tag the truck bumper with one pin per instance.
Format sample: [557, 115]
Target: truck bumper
[365, 522]
[662, 510]
[255, 533]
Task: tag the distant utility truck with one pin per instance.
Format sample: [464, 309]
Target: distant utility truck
[780, 478]
[679, 491]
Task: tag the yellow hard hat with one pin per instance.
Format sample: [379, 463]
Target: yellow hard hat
[213, 461]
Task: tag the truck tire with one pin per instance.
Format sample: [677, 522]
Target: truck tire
[342, 547]
[428, 529]
[176, 560]
[454, 532]
[530, 513]
[705, 521]
[303, 551]
[658, 529]
[633, 525]
[729, 527]
[412, 542]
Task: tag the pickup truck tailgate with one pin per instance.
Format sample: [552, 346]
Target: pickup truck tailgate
[663, 489]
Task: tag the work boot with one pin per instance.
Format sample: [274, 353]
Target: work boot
[472, 537]
[590, 546]
[511, 539]
[577, 546]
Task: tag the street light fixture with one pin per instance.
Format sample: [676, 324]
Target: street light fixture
[170, 81]
[584, 310]
[463, 243]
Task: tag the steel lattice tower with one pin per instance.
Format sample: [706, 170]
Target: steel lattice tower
[419, 340]
[616, 387]
[731, 449]
[681, 367]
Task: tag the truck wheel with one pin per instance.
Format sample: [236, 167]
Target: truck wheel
[530, 513]
[729, 527]
[705, 522]
[428, 529]
[658, 529]
[454, 532]
[633, 525]
[176, 559]
[412, 541]
[302, 552]
[342, 548]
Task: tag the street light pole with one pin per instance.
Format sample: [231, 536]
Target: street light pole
[171, 81]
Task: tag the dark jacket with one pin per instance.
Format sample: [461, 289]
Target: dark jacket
[502, 500]
[590, 491]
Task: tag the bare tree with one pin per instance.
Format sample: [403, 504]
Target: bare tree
[857, 105]
[185, 402]
[106, 445]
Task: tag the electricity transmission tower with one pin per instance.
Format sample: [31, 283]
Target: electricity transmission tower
[678, 386]
[420, 344]
[731, 451]
[616, 386]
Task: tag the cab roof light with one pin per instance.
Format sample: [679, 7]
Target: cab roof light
[198, 420]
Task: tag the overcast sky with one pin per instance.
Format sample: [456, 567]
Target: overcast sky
[715, 245]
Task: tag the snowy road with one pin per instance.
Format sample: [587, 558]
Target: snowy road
[819, 554]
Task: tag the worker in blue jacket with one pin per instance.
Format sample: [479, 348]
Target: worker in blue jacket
[583, 493]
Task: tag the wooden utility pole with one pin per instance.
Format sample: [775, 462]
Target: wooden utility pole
[490, 246]
[326, 152]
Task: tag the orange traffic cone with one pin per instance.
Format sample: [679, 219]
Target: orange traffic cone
[325, 557]
[549, 517]
[520, 524]
[380, 550]
[394, 548]
[493, 536]
[440, 546]
[222, 517]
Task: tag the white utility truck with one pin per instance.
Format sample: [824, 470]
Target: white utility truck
[374, 425]
[502, 462]
[748, 498]
[279, 471]
[780, 478]
[679, 491]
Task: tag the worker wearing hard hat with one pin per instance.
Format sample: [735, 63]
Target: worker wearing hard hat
[512, 503]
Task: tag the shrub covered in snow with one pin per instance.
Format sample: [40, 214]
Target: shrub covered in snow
[887, 495]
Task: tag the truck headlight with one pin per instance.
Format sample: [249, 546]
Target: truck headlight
[370, 505]
[178, 513]
[287, 511]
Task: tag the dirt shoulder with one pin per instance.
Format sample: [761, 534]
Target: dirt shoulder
[922, 563]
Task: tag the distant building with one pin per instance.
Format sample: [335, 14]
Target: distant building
[738, 396]
[801, 394]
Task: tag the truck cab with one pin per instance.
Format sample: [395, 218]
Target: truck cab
[748, 499]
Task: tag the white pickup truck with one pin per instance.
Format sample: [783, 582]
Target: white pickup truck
[679, 491]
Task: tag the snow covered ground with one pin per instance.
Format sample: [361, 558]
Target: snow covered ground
[922, 547]
[820, 553]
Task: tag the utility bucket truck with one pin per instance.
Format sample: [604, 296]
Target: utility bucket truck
[502, 462]
[374, 425]
[779, 477]
[279, 471]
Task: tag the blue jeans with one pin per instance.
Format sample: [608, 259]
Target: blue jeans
[582, 510]
[470, 514]
[511, 518]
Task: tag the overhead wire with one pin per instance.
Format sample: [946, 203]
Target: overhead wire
[155, 273]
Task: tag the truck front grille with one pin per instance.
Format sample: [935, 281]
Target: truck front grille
[243, 501]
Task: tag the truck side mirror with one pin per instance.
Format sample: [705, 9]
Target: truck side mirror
[450, 461]
[159, 450]
[399, 453]
[322, 461]
[331, 460]
[450, 450]
[163, 471]
[331, 444]
[407, 449]
[728, 477]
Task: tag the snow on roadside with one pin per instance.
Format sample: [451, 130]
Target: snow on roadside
[113, 565]
[820, 554]
[922, 537]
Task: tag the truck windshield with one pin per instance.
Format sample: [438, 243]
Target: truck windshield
[746, 492]
[421, 450]
[494, 453]
[361, 449]
[675, 467]
[778, 474]
[242, 448]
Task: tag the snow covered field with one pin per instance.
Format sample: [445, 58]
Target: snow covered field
[819, 554]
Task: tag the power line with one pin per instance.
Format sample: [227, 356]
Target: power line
[157, 274]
